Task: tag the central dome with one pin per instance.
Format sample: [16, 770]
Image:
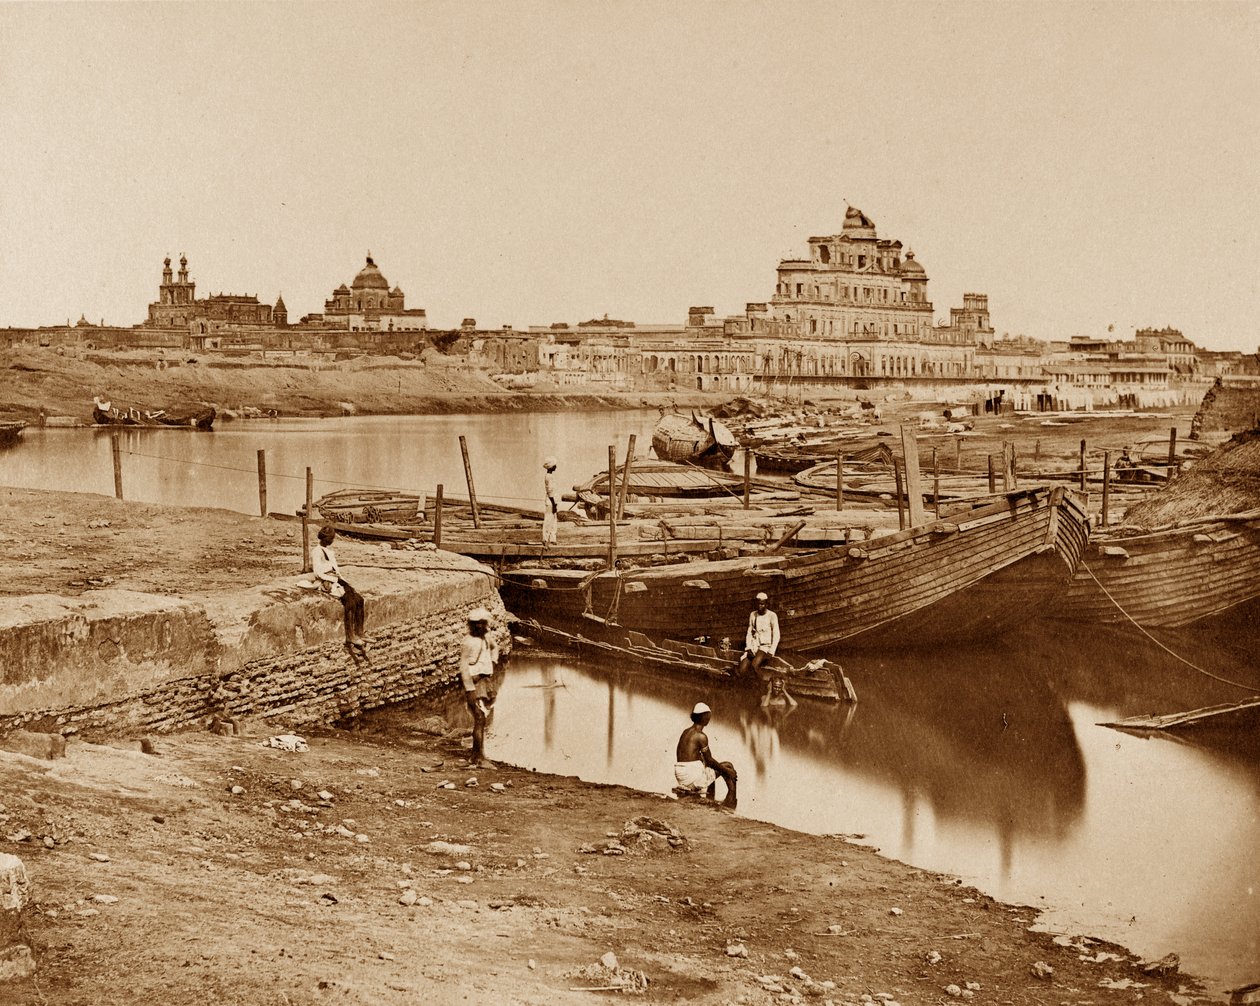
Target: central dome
[369, 278]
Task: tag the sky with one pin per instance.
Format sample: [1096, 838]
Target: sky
[1085, 165]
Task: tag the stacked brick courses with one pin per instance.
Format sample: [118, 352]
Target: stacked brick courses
[269, 653]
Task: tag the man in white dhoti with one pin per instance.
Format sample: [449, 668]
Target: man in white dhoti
[696, 770]
[551, 502]
[762, 639]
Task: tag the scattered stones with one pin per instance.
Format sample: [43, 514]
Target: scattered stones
[371, 773]
[286, 742]
[147, 746]
[952, 990]
[1164, 966]
[385, 955]
[933, 957]
[736, 950]
[894, 911]
[799, 974]
[1041, 970]
[324, 795]
[448, 849]
[104, 899]
[327, 899]
[99, 857]
[463, 865]
[498, 787]
[467, 903]
[237, 791]
[609, 960]
[295, 784]
[424, 902]
[408, 898]
[470, 783]
[531, 965]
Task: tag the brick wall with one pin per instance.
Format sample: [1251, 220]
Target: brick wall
[270, 652]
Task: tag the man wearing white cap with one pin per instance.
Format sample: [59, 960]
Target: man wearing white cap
[551, 502]
[477, 657]
[762, 639]
[696, 770]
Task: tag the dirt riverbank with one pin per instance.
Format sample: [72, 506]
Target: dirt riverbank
[44, 381]
[269, 894]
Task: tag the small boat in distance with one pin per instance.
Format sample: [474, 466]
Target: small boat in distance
[11, 431]
[105, 413]
[700, 440]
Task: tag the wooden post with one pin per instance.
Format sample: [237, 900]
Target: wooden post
[936, 484]
[262, 482]
[1106, 486]
[957, 453]
[747, 474]
[472, 492]
[625, 478]
[1037, 451]
[1082, 466]
[1014, 473]
[115, 448]
[612, 510]
[992, 477]
[306, 521]
[901, 509]
[437, 518]
[1172, 452]
[1007, 478]
[914, 483]
[841, 458]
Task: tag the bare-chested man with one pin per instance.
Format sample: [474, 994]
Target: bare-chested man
[696, 769]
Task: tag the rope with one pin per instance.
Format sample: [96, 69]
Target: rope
[1119, 608]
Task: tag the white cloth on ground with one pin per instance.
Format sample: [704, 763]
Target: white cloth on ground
[694, 775]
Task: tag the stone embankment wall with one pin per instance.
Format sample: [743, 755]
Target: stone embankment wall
[124, 661]
[1228, 407]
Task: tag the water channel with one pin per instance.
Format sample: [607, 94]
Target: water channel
[986, 762]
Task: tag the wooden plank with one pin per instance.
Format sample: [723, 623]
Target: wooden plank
[914, 482]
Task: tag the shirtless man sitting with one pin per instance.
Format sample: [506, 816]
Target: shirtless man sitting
[696, 770]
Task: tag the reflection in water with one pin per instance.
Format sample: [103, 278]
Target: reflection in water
[985, 763]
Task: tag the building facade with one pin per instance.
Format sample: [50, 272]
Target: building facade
[369, 305]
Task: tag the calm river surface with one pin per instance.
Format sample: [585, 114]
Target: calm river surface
[987, 763]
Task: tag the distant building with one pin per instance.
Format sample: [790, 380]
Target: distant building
[177, 307]
[369, 305]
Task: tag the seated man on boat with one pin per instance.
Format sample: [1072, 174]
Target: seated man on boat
[762, 639]
[696, 770]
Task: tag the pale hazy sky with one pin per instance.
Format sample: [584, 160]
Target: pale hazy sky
[1084, 165]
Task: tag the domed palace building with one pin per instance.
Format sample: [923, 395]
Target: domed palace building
[369, 305]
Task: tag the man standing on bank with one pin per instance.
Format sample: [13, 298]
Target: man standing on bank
[477, 657]
[328, 575]
[762, 639]
[551, 502]
[696, 770]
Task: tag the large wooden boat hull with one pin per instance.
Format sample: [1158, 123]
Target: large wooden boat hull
[973, 575]
[160, 419]
[11, 431]
[1168, 578]
[693, 439]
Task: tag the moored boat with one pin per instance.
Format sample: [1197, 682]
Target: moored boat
[11, 431]
[107, 414]
[992, 563]
[700, 440]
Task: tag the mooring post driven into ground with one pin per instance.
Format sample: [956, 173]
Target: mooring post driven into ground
[262, 482]
[936, 484]
[901, 501]
[115, 448]
[1172, 452]
[625, 478]
[437, 518]
[841, 457]
[958, 453]
[306, 520]
[472, 493]
[1106, 485]
[747, 474]
[1082, 466]
[612, 510]
[992, 477]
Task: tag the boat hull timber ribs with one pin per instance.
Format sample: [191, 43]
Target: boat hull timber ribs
[974, 575]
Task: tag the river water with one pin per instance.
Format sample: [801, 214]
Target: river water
[987, 763]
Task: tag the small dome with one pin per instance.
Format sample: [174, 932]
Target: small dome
[909, 265]
[342, 289]
[396, 292]
[369, 278]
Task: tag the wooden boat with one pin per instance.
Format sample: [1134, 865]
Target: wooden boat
[367, 506]
[817, 679]
[1168, 577]
[11, 431]
[790, 460]
[1226, 716]
[106, 414]
[700, 440]
[992, 563]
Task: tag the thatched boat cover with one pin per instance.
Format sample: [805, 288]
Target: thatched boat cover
[1225, 482]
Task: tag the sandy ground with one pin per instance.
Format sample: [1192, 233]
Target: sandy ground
[221, 870]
